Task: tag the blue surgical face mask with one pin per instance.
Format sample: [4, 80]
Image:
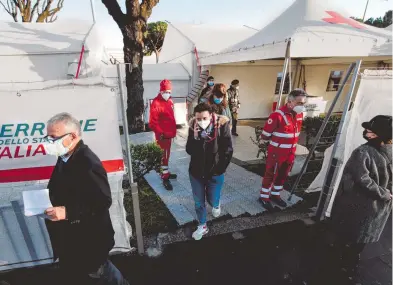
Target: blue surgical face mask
[218, 100]
[210, 83]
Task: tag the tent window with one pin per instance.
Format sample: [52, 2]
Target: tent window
[286, 83]
[334, 81]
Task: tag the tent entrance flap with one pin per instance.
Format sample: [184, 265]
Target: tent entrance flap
[284, 73]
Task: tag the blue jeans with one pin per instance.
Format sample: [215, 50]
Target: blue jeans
[203, 189]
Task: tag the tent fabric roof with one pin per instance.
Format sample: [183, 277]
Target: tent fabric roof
[213, 38]
[38, 38]
[314, 29]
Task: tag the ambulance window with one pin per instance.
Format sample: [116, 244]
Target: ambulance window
[286, 83]
[334, 81]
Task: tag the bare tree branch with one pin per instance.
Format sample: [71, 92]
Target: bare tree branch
[115, 11]
[35, 8]
[5, 8]
[10, 9]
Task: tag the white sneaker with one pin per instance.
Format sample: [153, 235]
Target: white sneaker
[200, 232]
[216, 212]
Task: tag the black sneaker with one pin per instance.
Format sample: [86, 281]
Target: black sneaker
[172, 176]
[235, 134]
[167, 184]
[277, 200]
[266, 204]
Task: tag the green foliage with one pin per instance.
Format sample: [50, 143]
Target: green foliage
[154, 37]
[262, 146]
[155, 215]
[387, 19]
[312, 125]
[145, 158]
[380, 22]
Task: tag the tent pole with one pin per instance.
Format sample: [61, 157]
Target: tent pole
[290, 74]
[134, 186]
[334, 165]
[321, 129]
[284, 74]
[300, 75]
[296, 72]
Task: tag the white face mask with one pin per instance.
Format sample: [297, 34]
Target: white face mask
[237, 87]
[56, 148]
[299, 109]
[166, 96]
[204, 124]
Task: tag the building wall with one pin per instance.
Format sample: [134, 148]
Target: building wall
[257, 84]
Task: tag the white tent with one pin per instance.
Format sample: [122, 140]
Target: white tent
[319, 41]
[314, 30]
[186, 43]
[32, 52]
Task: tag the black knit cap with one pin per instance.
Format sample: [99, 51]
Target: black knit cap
[381, 126]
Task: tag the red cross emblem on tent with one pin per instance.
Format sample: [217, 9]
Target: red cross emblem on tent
[337, 18]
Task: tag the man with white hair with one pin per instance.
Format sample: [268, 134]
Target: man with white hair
[281, 131]
[79, 224]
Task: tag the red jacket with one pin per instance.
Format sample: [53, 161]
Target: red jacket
[283, 129]
[162, 117]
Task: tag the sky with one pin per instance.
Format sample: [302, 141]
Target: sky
[254, 13]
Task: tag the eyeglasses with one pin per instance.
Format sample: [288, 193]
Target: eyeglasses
[51, 139]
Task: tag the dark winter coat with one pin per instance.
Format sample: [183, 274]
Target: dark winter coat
[83, 241]
[210, 158]
[362, 204]
[205, 94]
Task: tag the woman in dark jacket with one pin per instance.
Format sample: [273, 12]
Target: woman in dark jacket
[364, 198]
[209, 144]
[219, 101]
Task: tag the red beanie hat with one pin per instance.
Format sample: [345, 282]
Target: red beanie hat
[165, 85]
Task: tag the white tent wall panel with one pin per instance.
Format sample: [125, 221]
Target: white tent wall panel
[175, 45]
[45, 67]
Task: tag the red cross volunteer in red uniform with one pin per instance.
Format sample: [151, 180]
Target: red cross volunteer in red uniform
[162, 122]
[282, 131]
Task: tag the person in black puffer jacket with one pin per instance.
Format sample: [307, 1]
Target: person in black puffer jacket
[209, 144]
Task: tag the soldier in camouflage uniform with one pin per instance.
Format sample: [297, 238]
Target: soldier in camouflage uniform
[234, 103]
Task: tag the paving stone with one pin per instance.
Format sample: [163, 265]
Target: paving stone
[239, 194]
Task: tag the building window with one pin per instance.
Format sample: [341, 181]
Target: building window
[286, 83]
[334, 81]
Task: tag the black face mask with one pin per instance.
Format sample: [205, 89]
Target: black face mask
[376, 142]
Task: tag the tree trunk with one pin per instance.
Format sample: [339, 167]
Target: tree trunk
[157, 53]
[133, 56]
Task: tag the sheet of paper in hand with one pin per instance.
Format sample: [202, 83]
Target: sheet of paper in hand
[36, 202]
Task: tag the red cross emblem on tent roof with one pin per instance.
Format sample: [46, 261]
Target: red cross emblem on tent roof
[337, 18]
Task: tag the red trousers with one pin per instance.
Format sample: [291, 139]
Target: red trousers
[278, 167]
[165, 145]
